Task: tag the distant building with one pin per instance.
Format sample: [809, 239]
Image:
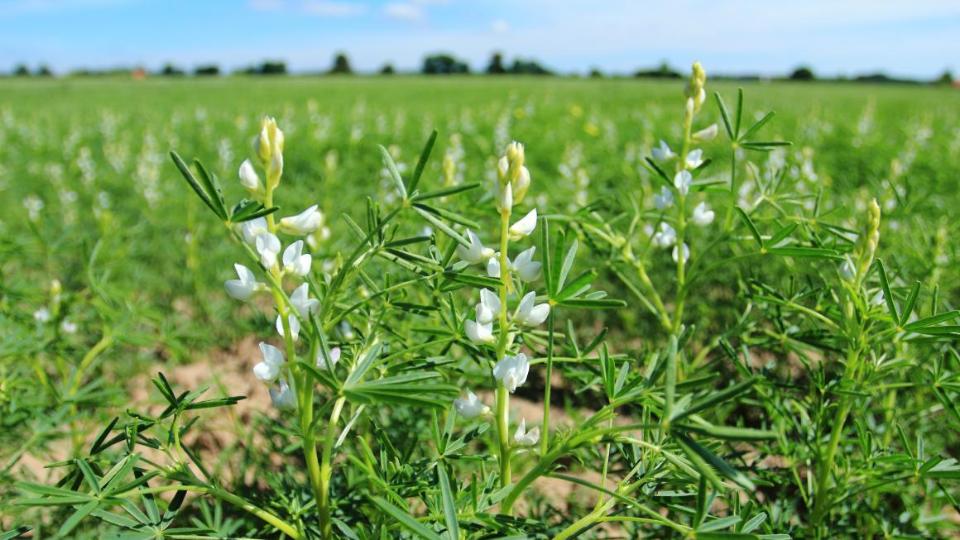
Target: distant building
[138, 74]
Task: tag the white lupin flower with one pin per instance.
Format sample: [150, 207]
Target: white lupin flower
[295, 261]
[682, 181]
[664, 199]
[702, 214]
[253, 228]
[470, 406]
[526, 268]
[242, 288]
[294, 326]
[694, 159]
[525, 226]
[282, 396]
[301, 301]
[512, 371]
[478, 332]
[676, 253]
[268, 246]
[42, 315]
[334, 358]
[665, 237]
[476, 253]
[706, 134]
[529, 314]
[303, 223]
[268, 369]
[248, 176]
[878, 299]
[526, 438]
[489, 306]
[70, 327]
[663, 152]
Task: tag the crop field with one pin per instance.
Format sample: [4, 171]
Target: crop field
[478, 307]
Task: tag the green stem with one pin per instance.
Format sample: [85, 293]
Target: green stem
[728, 220]
[503, 396]
[545, 426]
[326, 468]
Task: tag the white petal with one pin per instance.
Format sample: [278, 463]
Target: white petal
[525, 226]
[682, 181]
[248, 176]
[266, 372]
[537, 315]
[238, 289]
[478, 333]
[271, 354]
[493, 266]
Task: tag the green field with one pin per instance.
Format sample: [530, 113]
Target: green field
[792, 369]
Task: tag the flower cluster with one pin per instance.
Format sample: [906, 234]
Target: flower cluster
[494, 324]
[278, 263]
[685, 162]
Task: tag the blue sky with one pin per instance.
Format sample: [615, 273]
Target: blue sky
[917, 38]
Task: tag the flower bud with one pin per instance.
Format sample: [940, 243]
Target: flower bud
[695, 89]
[521, 185]
[248, 176]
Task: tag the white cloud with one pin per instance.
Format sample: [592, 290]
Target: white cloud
[404, 11]
[332, 8]
[500, 26]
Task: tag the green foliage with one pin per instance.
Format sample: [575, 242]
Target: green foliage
[793, 373]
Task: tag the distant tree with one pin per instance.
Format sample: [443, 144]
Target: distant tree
[595, 73]
[946, 78]
[528, 67]
[207, 70]
[272, 67]
[664, 71]
[44, 71]
[341, 65]
[443, 64]
[495, 67]
[21, 70]
[802, 73]
[170, 70]
[387, 69]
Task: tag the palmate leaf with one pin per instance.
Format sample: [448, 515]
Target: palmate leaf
[409, 389]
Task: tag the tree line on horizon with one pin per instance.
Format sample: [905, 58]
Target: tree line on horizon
[448, 64]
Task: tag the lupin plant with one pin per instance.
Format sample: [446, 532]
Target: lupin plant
[407, 356]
